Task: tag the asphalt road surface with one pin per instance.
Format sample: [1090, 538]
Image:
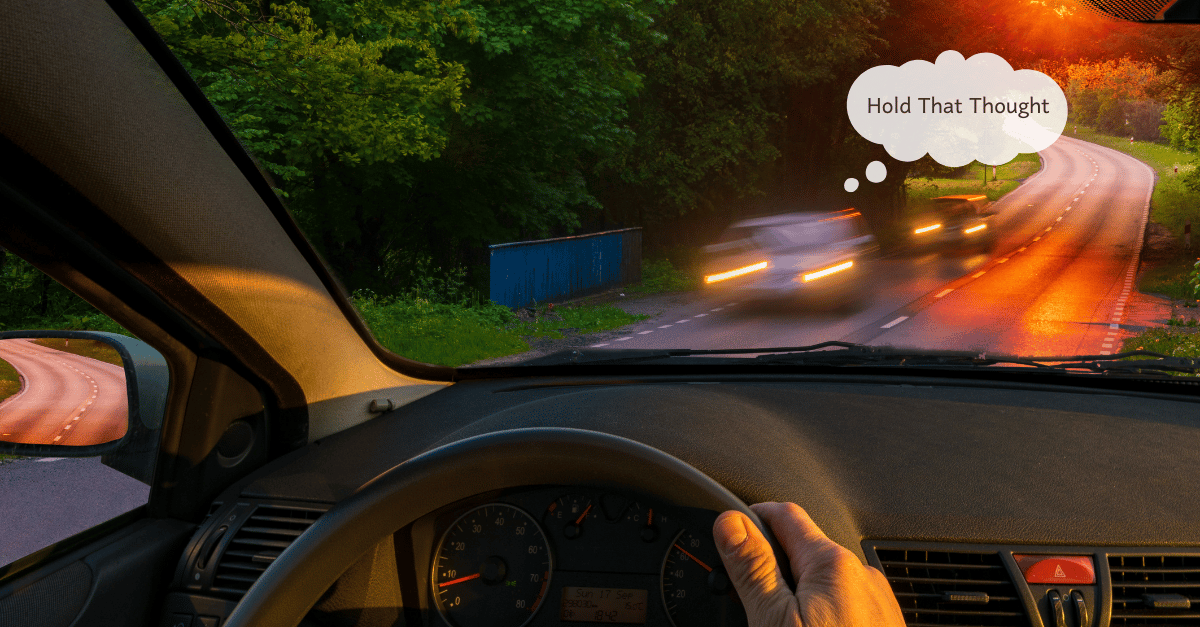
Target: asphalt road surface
[67, 399]
[1056, 283]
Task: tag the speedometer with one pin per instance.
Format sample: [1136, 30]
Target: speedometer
[695, 588]
[492, 567]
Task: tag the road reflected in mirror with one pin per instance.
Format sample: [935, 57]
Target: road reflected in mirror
[67, 392]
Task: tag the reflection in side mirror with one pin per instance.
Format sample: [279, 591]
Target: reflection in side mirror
[83, 394]
[62, 391]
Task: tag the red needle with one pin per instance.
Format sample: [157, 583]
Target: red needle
[702, 564]
[579, 521]
[470, 577]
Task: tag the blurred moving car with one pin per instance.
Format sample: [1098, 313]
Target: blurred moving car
[820, 257]
[957, 224]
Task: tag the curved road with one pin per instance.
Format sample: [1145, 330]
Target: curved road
[67, 399]
[1057, 283]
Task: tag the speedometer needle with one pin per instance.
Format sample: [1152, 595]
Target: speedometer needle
[470, 577]
[702, 564]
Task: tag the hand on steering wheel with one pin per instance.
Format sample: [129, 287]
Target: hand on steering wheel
[832, 587]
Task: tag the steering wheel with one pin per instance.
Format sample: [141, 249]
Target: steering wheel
[290, 587]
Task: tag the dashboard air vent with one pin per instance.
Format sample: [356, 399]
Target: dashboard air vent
[1155, 589]
[269, 530]
[952, 588]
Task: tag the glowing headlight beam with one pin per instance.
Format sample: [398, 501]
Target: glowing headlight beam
[812, 276]
[975, 228]
[926, 229]
[713, 278]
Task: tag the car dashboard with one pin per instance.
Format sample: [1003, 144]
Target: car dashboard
[983, 502]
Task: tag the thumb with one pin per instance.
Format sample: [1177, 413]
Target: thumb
[755, 575]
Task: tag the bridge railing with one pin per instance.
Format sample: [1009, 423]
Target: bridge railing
[525, 273]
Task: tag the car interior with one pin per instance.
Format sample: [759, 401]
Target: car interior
[305, 475]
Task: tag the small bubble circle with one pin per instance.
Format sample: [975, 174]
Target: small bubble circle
[876, 171]
[851, 184]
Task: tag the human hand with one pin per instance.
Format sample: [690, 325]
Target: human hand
[833, 588]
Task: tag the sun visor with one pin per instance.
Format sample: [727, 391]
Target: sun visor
[101, 113]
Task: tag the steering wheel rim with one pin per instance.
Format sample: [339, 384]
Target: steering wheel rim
[289, 588]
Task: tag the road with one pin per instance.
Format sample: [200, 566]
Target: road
[1056, 284]
[67, 399]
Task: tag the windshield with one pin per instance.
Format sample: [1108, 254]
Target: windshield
[498, 180]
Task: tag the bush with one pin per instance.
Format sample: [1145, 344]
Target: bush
[1111, 118]
[662, 276]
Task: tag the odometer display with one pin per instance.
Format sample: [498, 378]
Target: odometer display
[603, 605]
[492, 567]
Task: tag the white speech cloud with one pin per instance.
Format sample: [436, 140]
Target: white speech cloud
[957, 110]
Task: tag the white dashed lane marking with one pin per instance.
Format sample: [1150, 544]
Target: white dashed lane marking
[943, 292]
[894, 322]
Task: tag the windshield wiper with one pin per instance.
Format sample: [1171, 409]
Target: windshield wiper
[851, 354]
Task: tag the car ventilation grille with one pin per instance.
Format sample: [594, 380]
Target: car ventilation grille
[1155, 589]
[952, 588]
[268, 531]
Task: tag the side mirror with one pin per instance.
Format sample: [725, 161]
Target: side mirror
[82, 394]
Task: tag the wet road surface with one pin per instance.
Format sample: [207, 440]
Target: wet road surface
[1056, 283]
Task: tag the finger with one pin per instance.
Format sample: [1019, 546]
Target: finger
[750, 562]
[814, 558]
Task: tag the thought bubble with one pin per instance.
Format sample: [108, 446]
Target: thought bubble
[957, 110]
[876, 172]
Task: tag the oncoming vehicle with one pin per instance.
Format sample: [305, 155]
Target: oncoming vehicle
[960, 223]
[816, 258]
[975, 432]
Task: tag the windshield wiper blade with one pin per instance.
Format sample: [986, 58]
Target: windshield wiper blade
[849, 354]
[881, 356]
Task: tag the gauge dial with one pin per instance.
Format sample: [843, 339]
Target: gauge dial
[492, 567]
[695, 588]
[574, 513]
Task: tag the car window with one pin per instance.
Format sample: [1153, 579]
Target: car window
[984, 145]
[57, 392]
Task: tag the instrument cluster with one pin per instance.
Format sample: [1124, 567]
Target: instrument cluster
[573, 555]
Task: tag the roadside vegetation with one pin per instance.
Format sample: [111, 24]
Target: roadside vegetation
[663, 275]
[10, 381]
[969, 179]
[453, 334]
[94, 349]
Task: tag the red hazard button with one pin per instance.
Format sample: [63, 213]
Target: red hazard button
[1057, 568]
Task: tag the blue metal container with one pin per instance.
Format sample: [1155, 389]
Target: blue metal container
[525, 273]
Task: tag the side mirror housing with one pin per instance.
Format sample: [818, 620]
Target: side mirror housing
[82, 394]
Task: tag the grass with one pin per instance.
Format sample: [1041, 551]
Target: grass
[453, 335]
[10, 381]
[1169, 279]
[1167, 341]
[1008, 177]
[95, 349]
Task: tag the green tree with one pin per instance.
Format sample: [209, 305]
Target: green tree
[1111, 117]
[1085, 106]
[708, 126]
